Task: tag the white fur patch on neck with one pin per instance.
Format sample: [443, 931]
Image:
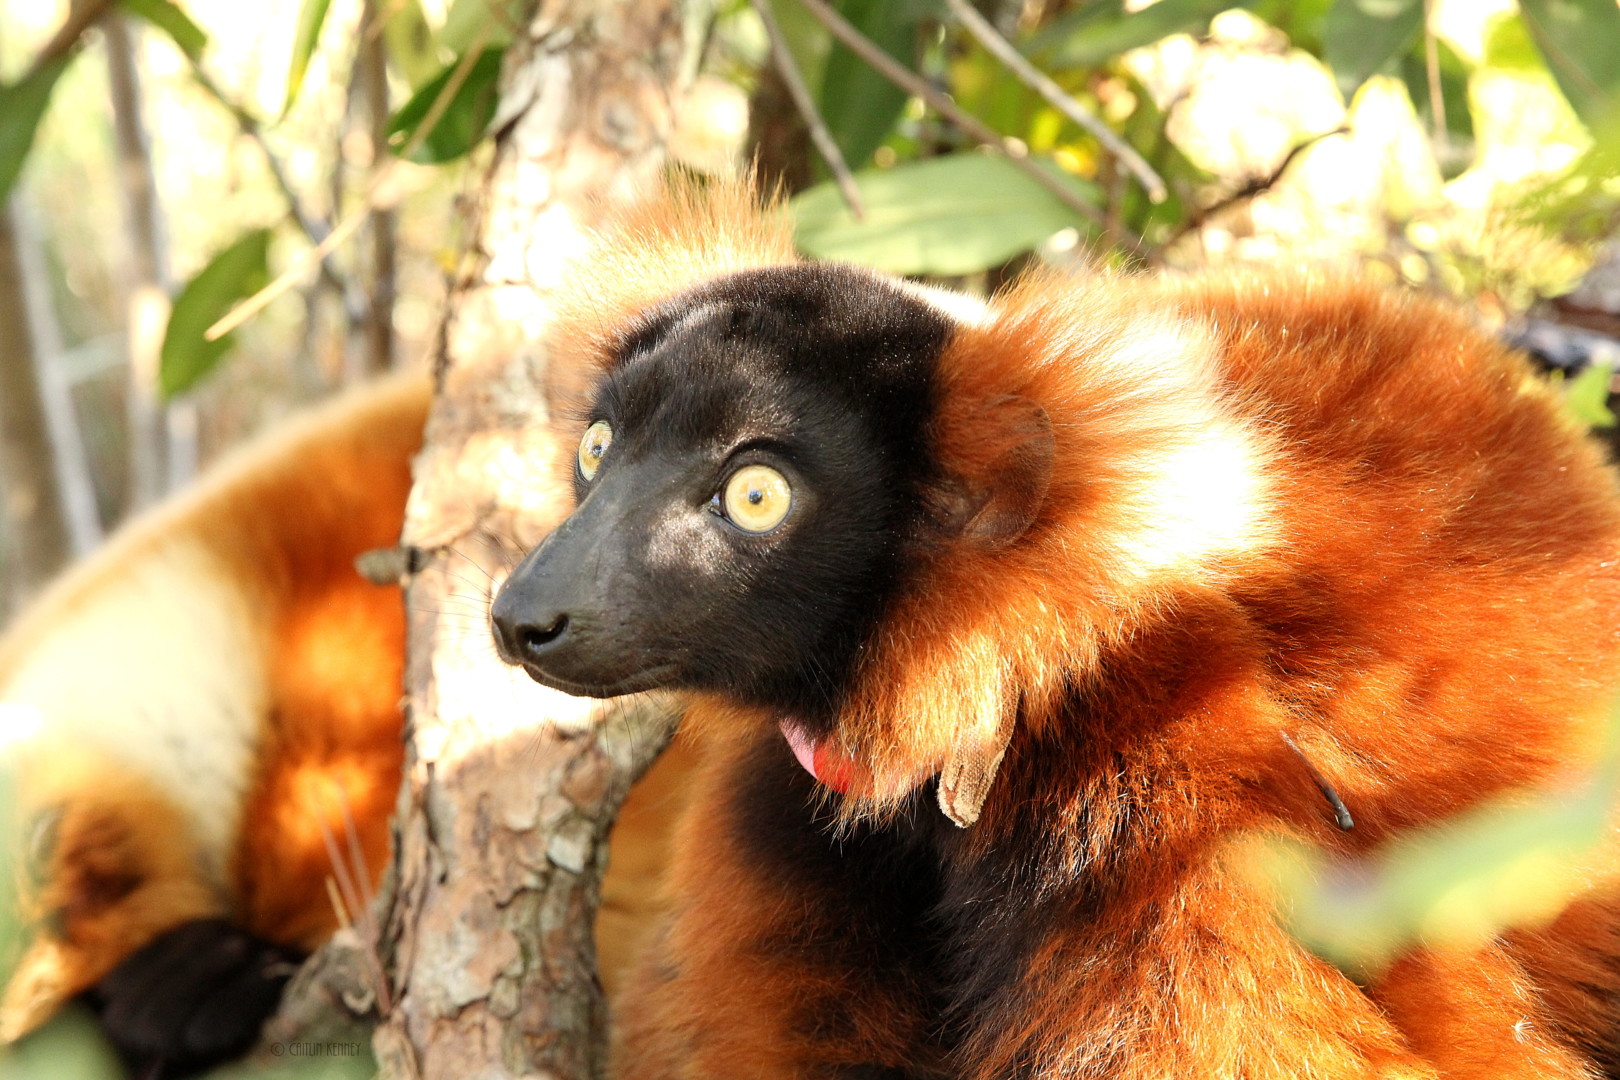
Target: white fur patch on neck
[1191, 489]
[958, 307]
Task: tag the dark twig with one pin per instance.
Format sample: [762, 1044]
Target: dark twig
[909, 81]
[793, 80]
[1036, 80]
[1254, 186]
[1341, 813]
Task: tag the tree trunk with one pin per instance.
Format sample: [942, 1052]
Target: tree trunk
[509, 788]
[34, 475]
[75, 483]
[382, 225]
[146, 284]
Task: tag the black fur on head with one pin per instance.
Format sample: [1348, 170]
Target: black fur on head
[821, 373]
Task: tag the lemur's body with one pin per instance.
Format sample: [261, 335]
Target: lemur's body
[211, 691]
[1139, 537]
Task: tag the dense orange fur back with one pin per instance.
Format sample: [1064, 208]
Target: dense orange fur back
[211, 684]
[1296, 452]
[257, 715]
[1283, 509]
[332, 747]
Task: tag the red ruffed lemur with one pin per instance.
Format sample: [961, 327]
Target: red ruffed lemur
[1013, 624]
[211, 693]
[205, 690]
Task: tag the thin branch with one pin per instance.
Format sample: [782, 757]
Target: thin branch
[81, 17]
[316, 231]
[37, 339]
[379, 322]
[352, 222]
[1253, 187]
[793, 79]
[1437, 97]
[1036, 80]
[1113, 181]
[909, 81]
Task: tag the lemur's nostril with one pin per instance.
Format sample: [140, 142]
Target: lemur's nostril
[533, 639]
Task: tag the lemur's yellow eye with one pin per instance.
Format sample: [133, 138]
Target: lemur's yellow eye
[757, 498]
[598, 437]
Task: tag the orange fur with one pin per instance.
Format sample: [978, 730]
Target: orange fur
[720, 937]
[264, 690]
[115, 871]
[272, 679]
[654, 250]
[332, 745]
[633, 901]
[1280, 504]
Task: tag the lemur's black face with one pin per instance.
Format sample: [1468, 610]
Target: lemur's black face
[748, 477]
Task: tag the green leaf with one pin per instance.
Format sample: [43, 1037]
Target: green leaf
[947, 215]
[22, 105]
[980, 85]
[464, 120]
[1102, 30]
[1580, 40]
[311, 17]
[1361, 37]
[807, 39]
[1587, 396]
[1456, 884]
[167, 17]
[70, 1047]
[1508, 46]
[233, 275]
[409, 42]
[1579, 202]
[490, 22]
[1301, 20]
[859, 105]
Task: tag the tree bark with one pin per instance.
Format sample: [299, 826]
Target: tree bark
[509, 788]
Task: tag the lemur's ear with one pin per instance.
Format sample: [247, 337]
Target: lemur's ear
[1012, 470]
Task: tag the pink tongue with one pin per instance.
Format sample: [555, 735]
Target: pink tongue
[804, 747]
[826, 764]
